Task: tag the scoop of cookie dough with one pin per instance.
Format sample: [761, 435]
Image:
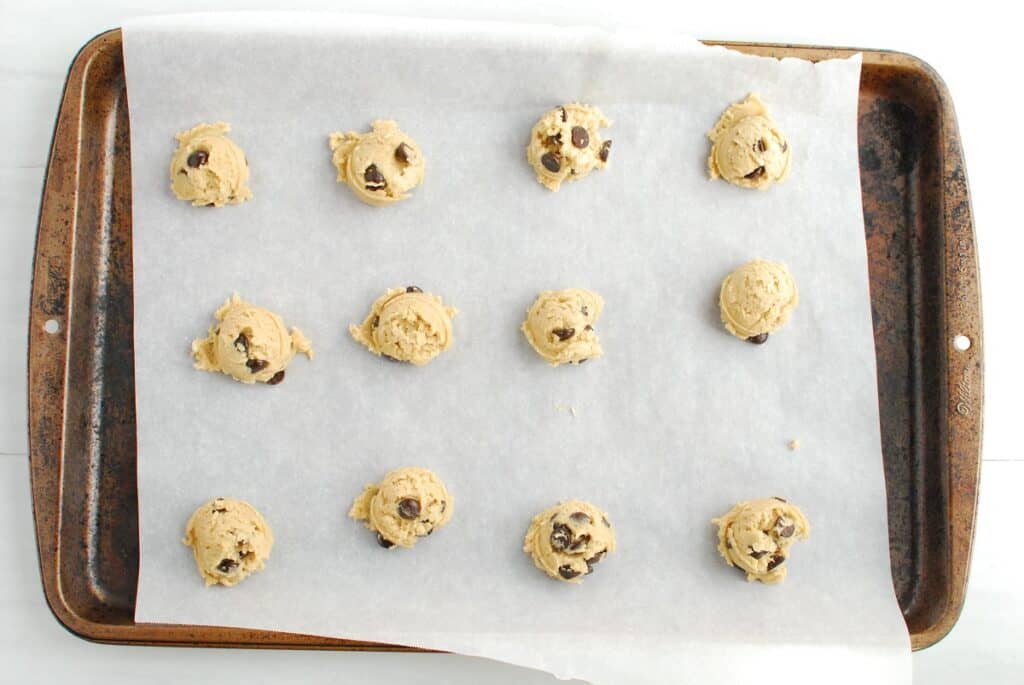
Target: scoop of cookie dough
[407, 325]
[230, 540]
[408, 504]
[208, 168]
[755, 537]
[560, 325]
[756, 299]
[747, 147]
[249, 343]
[565, 144]
[568, 539]
[380, 166]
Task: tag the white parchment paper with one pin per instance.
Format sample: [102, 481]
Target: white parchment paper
[673, 425]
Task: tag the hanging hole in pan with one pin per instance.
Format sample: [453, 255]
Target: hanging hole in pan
[961, 343]
[52, 326]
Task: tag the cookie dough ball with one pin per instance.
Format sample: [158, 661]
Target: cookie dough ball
[565, 144]
[407, 325]
[408, 504]
[560, 325]
[568, 539]
[757, 299]
[208, 168]
[747, 147]
[249, 343]
[755, 537]
[381, 166]
[230, 540]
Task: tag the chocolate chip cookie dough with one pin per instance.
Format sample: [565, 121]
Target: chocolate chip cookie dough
[249, 343]
[406, 325]
[380, 166]
[208, 168]
[565, 144]
[747, 147]
[408, 504]
[229, 539]
[757, 299]
[560, 325]
[568, 539]
[755, 537]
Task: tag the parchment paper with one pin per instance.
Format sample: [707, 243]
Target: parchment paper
[673, 425]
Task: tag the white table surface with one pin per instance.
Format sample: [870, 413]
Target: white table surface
[970, 47]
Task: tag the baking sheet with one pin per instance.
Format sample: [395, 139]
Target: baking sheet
[672, 426]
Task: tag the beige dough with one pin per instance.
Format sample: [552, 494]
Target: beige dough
[568, 539]
[747, 148]
[408, 504]
[380, 166]
[249, 343]
[230, 540]
[560, 325]
[756, 299]
[407, 325]
[208, 168]
[565, 144]
[755, 537]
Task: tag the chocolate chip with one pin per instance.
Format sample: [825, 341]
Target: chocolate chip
[780, 499]
[444, 505]
[554, 141]
[605, 520]
[756, 173]
[220, 511]
[757, 554]
[580, 137]
[242, 343]
[588, 327]
[584, 311]
[374, 178]
[596, 558]
[775, 561]
[758, 339]
[376, 321]
[198, 158]
[383, 542]
[785, 146]
[564, 334]
[552, 161]
[606, 147]
[276, 378]
[583, 360]
[567, 572]
[409, 508]
[788, 531]
[561, 537]
[389, 358]
[404, 154]
[761, 145]
[246, 554]
[580, 517]
[226, 565]
[257, 365]
[565, 115]
[413, 289]
[579, 543]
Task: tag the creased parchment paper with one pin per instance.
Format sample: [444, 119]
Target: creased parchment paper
[677, 422]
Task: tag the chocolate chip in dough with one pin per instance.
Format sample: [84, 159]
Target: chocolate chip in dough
[758, 339]
[226, 565]
[413, 289]
[606, 148]
[580, 137]
[242, 343]
[257, 365]
[567, 572]
[565, 115]
[384, 542]
[409, 508]
[775, 561]
[756, 173]
[564, 334]
[552, 161]
[579, 543]
[580, 517]
[405, 154]
[761, 145]
[374, 178]
[198, 158]
[757, 553]
[561, 537]
[276, 378]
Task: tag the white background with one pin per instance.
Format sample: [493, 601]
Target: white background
[974, 48]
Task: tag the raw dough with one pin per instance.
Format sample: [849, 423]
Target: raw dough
[560, 325]
[230, 540]
[747, 147]
[381, 166]
[208, 168]
[568, 539]
[408, 504]
[565, 144]
[406, 324]
[756, 299]
[755, 537]
[249, 343]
